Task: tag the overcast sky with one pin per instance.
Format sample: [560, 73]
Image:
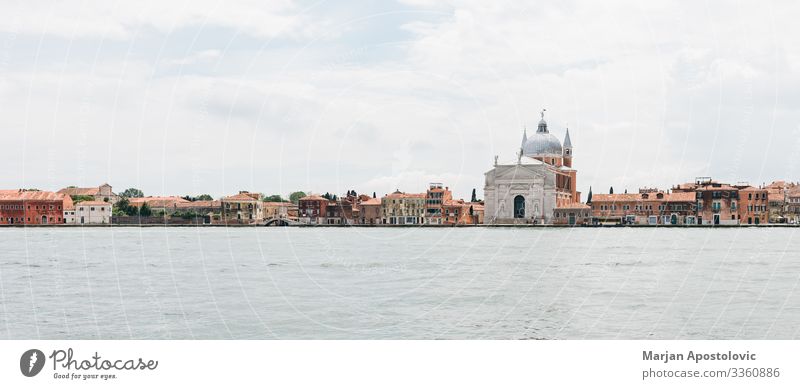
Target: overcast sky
[274, 96]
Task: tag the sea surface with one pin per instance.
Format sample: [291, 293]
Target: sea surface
[399, 283]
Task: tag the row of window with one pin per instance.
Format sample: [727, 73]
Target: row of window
[10, 207]
[12, 220]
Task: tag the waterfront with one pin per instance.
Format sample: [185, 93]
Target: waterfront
[410, 283]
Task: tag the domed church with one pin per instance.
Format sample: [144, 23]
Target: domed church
[527, 189]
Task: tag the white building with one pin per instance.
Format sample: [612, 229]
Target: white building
[88, 212]
[521, 191]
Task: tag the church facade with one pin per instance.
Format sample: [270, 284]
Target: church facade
[528, 189]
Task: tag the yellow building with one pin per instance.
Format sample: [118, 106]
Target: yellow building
[401, 208]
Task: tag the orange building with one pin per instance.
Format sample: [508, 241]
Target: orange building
[369, 211]
[649, 206]
[32, 207]
[312, 209]
[572, 214]
[753, 205]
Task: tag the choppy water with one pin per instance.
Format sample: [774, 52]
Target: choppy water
[412, 283]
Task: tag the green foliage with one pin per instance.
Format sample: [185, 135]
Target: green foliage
[474, 197]
[202, 197]
[296, 196]
[145, 210]
[122, 207]
[275, 199]
[78, 198]
[132, 192]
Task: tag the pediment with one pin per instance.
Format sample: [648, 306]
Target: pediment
[519, 172]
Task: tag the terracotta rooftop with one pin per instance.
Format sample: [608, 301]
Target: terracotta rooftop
[574, 206]
[652, 196]
[277, 204]
[199, 204]
[29, 195]
[243, 197]
[73, 191]
[371, 201]
[97, 203]
[157, 202]
[397, 195]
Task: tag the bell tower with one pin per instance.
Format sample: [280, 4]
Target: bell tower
[567, 150]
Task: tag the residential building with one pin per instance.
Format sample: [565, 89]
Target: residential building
[90, 212]
[460, 212]
[435, 198]
[778, 201]
[339, 212]
[19, 206]
[572, 214]
[369, 212]
[279, 210]
[243, 208]
[165, 205]
[649, 206]
[312, 209]
[753, 205]
[793, 207]
[400, 208]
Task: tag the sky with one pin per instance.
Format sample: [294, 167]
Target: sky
[191, 97]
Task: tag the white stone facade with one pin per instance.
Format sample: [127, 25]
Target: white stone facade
[89, 212]
[523, 191]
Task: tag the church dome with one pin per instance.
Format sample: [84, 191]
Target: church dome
[542, 143]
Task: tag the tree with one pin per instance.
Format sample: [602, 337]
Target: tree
[205, 197]
[122, 207]
[474, 197]
[611, 191]
[471, 211]
[589, 198]
[373, 195]
[78, 198]
[275, 199]
[145, 210]
[132, 192]
[296, 196]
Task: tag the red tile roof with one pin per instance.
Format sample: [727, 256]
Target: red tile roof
[72, 191]
[243, 197]
[30, 195]
[199, 204]
[97, 203]
[157, 202]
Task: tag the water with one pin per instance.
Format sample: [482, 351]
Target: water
[410, 283]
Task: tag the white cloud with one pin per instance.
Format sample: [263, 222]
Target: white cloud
[654, 94]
